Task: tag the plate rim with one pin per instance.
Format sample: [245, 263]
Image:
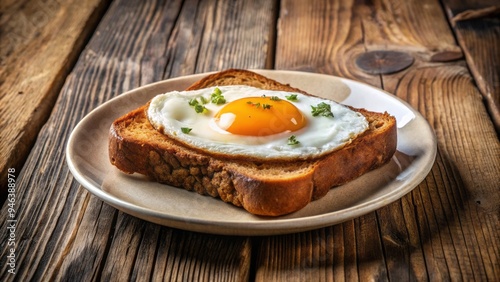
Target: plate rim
[260, 228]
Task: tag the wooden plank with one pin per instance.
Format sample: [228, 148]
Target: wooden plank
[458, 192]
[432, 233]
[297, 257]
[401, 242]
[41, 41]
[63, 232]
[476, 24]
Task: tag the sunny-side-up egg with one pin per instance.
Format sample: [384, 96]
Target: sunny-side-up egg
[246, 121]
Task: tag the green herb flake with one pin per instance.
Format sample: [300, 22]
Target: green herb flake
[257, 105]
[217, 91]
[292, 140]
[322, 109]
[199, 108]
[217, 97]
[266, 106]
[186, 130]
[275, 98]
[203, 100]
[292, 97]
[193, 102]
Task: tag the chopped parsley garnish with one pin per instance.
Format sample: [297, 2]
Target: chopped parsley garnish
[186, 130]
[217, 97]
[273, 98]
[322, 109]
[257, 105]
[203, 100]
[292, 140]
[292, 97]
[193, 102]
[199, 108]
[253, 104]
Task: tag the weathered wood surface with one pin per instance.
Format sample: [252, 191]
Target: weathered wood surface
[39, 43]
[445, 229]
[476, 24]
[64, 233]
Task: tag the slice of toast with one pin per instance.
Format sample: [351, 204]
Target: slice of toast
[269, 188]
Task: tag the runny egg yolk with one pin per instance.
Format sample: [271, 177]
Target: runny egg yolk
[260, 116]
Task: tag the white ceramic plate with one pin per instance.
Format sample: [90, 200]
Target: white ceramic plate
[87, 157]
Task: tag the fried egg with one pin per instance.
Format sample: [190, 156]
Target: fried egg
[245, 121]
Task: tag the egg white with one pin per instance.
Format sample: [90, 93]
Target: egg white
[171, 111]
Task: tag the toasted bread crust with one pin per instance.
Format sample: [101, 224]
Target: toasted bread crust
[269, 188]
[242, 77]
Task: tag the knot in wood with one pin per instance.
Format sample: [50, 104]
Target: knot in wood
[384, 62]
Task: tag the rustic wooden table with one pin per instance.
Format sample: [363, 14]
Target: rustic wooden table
[61, 59]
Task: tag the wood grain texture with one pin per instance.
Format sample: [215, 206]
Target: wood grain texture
[41, 41]
[457, 193]
[477, 26]
[447, 228]
[63, 232]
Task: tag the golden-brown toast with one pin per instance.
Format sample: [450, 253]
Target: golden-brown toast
[270, 188]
